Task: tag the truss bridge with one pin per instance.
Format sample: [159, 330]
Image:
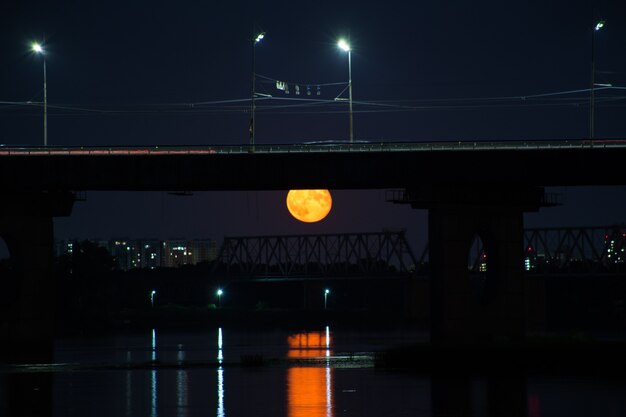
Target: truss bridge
[324, 256]
[569, 250]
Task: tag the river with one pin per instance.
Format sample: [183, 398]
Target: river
[307, 373]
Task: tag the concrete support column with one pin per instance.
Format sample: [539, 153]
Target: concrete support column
[458, 313]
[27, 331]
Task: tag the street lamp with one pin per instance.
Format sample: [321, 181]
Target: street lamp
[598, 25]
[152, 297]
[326, 292]
[256, 40]
[38, 49]
[219, 297]
[345, 46]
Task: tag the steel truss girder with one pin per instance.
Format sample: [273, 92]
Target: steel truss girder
[327, 255]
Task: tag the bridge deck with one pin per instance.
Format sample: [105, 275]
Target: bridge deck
[318, 165]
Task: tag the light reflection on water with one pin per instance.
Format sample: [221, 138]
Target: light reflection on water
[221, 411]
[182, 390]
[308, 384]
[309, 389]
[153, 379]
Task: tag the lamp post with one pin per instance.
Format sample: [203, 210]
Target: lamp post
[256, 40]
[38, 49]
[345, 46]
[219, 297]
[326, 292]
[599, 25]
[152, 297]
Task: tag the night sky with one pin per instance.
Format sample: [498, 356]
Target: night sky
[180, 73]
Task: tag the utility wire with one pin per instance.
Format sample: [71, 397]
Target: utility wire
[562, 98]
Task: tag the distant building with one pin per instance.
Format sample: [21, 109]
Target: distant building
[530, 259]
[615, 244]
[176, 253]
[63, 247]
[122, 251]
[149, 253]
[204, 250]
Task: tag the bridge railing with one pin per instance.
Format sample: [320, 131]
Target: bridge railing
[310, 147]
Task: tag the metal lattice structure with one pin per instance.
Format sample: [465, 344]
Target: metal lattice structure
[584, 250]
[309, 256]
[566, 250]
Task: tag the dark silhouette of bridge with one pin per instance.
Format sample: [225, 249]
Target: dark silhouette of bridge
[310, 257]
[387, 255]
[470, 189]
[279, 167]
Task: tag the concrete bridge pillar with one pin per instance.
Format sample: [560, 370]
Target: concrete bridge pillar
[460, 312]
[27, 322]
[492, 309]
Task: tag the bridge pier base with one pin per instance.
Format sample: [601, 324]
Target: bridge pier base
[28, 299]
[492, 308]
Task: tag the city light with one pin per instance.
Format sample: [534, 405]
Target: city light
[37, 48]
[219, 297]
[326, 292]
[152, 293]
[343, 45]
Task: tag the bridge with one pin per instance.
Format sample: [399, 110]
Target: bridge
[337, 166]
[590, 251]
[576, 250]
[470, 189]
[310, 257]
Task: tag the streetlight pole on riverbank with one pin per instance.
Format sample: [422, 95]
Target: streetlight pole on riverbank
[256, 40]
[597, 26]
[345, 46]
[38, 49]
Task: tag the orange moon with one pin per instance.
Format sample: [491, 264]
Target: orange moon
[309, 206]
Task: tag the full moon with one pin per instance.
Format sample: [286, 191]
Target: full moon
[309, 206]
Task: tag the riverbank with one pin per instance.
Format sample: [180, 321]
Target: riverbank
[174, 317]
[563, 356]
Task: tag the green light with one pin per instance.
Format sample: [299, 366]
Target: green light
[344, 45]
[599, 25]
[37, 48]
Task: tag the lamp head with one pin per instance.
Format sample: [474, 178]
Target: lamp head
[343, 45]
[599, 25]
[259, 37]
[37, 48]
